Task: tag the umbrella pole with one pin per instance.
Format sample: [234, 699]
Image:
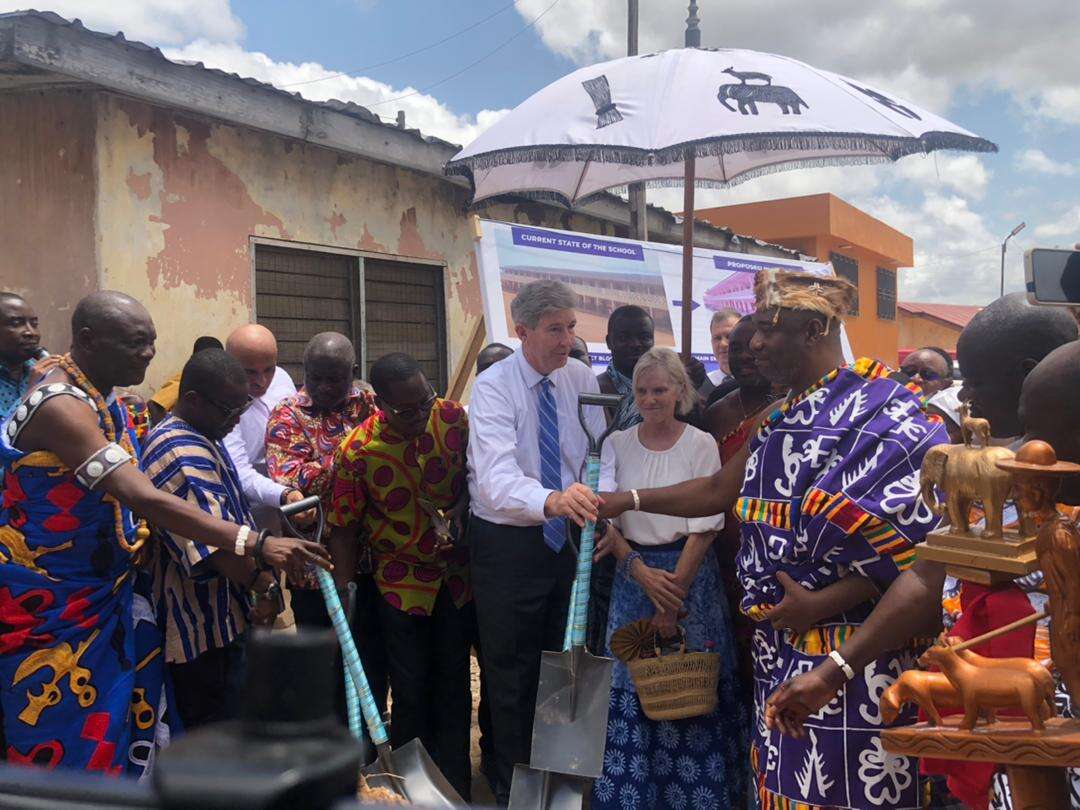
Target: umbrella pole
[688, 252]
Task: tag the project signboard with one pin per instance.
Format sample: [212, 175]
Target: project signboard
[607, 272]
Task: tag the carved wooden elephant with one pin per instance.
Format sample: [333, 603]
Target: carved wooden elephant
[967, 474]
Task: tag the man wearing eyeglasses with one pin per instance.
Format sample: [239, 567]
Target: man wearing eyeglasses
[400, 479]
[255, 348]
[209, 595]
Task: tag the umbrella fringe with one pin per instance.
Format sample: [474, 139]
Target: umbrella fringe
[674, 182]
[890, 148]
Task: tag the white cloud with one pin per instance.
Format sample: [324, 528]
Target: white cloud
[1067, 225]
[934, 52]
[422, 111]
[957, 259]
[1036, 160]
[964, 174]
[160, 22]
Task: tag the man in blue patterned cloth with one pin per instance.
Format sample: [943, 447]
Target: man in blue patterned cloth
[827, 491]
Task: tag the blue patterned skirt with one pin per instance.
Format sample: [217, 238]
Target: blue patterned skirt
[698, 763]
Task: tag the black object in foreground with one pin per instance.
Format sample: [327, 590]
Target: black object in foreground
[287, 750]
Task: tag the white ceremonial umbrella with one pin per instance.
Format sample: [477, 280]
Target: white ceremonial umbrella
[714, 117]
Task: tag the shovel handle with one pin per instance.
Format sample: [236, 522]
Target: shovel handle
[579, 606]
[352, 697]
[376, 727]
[570, 624]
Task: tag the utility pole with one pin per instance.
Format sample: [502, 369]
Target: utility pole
[1012, 233]
[639, 220]
[692, 40]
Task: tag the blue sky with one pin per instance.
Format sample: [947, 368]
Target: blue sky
[992, 66]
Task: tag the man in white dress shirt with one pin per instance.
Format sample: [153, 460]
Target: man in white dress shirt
[256, 349]
[526, 456]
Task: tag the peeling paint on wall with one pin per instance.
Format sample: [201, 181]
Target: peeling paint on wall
[467, 290]
[205, 207]
[411, 243]
[369, 242]
[139, 184]
[335, 221]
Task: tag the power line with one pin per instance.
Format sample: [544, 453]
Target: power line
[354, 71]
[946, 259]
[469, 66]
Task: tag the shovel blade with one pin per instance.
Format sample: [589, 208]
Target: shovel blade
[542, 790]
[570, 726]
[417, 776]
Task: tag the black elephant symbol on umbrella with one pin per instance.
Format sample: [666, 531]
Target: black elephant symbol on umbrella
[747, 96]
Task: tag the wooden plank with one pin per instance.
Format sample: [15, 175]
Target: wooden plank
[273, 283]
[400, 272]
[419, 351]
[466, 364]
[390, 293]
[284, 306]
[418, 313]
[297, 329]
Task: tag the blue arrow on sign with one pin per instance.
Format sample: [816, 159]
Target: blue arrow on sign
[693, 304]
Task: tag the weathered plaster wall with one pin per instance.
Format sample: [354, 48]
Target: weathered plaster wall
[47, 203]
[179, 197]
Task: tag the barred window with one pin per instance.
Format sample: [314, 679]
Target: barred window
[886, 294]
[847, 267]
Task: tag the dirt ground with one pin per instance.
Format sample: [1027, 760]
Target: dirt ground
[481, 792]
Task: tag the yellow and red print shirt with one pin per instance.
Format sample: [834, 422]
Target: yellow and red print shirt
[378, 479]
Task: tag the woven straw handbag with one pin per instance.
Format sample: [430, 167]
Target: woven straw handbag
[670, 686]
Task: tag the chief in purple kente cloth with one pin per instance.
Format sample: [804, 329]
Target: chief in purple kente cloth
[827, 492]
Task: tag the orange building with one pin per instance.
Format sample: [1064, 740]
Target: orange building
[932, 325]
[862, 249]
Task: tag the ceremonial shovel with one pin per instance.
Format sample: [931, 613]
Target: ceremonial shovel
[570, 725]
[408, 771]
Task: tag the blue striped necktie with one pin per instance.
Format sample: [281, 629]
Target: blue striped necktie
[550, 466]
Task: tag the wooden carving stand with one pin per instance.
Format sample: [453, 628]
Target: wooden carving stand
[1035, 760]
[989, 561]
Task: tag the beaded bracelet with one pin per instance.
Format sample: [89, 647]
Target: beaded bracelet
[260, 563]
[627, 561]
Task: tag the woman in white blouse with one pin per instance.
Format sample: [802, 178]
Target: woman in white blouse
[667, 573]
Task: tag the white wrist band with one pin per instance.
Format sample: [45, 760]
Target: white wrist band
[241, 540]
[838, 659]
[637, 500]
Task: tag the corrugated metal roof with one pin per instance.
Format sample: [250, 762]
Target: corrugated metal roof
[956, 314]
